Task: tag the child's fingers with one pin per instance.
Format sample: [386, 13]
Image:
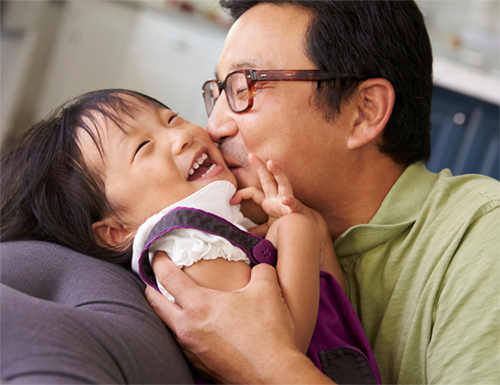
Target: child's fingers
[292, 203]
[248, 193]
[260, 230]
[255, 161]
[267, 179]
[284, 185]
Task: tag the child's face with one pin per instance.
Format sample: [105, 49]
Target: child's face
[153, 164]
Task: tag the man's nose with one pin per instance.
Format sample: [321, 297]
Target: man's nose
[221, 122]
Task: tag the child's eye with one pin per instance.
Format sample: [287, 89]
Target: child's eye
[141, 146]
[172, 118]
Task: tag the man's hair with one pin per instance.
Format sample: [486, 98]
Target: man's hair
[48, 193]
[373, 39]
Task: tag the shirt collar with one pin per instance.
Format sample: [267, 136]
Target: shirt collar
[397, 212]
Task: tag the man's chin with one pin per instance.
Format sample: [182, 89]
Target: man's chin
[253, 211]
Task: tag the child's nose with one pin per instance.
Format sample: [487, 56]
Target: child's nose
[181, 140]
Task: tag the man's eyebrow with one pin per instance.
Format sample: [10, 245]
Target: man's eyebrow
[243, 65]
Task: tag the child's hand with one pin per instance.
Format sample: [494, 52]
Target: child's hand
[277, 197]
[277, 200]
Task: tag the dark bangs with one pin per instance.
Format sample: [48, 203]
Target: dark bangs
[48, 193]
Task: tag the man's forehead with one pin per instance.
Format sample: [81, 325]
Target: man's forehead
[266, 36]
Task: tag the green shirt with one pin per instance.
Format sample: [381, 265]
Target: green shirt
[424, 278]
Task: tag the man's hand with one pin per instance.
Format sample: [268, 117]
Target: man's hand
[232, 337]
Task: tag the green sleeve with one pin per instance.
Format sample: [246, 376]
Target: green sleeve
[464, 344]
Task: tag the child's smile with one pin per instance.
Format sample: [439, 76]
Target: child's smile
[204, 167]
[152, 160]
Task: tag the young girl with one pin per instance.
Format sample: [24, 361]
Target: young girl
[108, 166]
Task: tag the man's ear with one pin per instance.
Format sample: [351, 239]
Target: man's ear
[110, 233]
[374, 104]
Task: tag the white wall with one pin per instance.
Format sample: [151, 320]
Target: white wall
[27, 35]
[107, 44]
[96, 45]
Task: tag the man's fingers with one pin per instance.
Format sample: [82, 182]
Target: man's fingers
[265, 274]
[173, 279]
[163, 307]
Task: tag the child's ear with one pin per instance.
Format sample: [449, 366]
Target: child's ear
[110, 233]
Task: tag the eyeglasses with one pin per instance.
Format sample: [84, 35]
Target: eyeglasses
[240, 84]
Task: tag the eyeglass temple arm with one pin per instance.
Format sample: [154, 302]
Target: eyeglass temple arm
[298, 75]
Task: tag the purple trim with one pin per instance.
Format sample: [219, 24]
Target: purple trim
[143, 276]
[216, 217]
[262, 252]
[180, 227]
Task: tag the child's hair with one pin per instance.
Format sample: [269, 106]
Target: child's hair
[47, 191]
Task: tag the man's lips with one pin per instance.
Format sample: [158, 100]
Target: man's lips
[233, 157]
[233, 164]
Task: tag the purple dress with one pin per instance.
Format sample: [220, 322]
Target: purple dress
[339, 346]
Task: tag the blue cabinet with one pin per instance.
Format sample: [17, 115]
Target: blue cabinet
[464, 134]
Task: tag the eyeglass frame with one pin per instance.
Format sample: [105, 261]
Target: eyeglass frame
[254, 76]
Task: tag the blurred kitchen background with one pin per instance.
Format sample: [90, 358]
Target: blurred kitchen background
[54, 50]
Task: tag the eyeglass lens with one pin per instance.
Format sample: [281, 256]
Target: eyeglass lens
[237, 92]
[211, 93]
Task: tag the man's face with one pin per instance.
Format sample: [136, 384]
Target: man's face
[284, 123]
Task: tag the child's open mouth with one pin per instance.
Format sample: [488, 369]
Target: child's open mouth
[201, 167]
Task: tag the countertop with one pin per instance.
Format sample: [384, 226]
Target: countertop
[467, 80]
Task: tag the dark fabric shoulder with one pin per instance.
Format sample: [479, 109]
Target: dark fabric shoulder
[70, 318]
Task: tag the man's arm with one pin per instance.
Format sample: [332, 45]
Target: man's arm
[244, 336]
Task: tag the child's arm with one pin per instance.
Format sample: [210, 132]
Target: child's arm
[277, 200]
[298, 243]
[219, 274]
[293, 229]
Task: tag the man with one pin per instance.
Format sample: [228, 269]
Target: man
[419, 250]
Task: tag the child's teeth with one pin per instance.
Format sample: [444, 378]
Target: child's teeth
[209, 170]
[198, 162]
